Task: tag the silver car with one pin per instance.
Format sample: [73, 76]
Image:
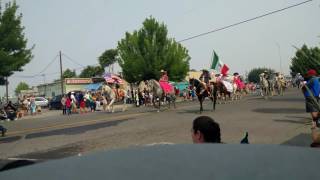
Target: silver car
[41, 101]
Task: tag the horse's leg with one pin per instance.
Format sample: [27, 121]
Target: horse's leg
[153, 102]
[159, 104]
[124, 108]
[111, 105]
[215, 97]
[200, 100]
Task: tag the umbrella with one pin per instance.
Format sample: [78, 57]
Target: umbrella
[113, 79]
[203, 161]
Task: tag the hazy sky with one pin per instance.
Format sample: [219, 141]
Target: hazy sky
[84, 29]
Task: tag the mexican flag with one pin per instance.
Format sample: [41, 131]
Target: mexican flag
[218, 65]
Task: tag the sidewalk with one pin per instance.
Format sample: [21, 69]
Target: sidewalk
[49, 113]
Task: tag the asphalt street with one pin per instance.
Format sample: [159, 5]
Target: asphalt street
[278, 120]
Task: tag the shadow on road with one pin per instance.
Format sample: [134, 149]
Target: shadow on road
[295, 120]
[76, 130]
[288, 99]
[302, 139]
[279, 110]
[10, 139]
[194, 111]
[61, 152]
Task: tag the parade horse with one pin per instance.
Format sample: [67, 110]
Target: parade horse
[202, 92]
[222, 92]
[111, 97]
[157, 92]
[266, 87]
[280, 85]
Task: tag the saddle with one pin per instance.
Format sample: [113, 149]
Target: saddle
[206, 88]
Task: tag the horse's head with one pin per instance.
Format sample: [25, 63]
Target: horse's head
[153, 84]
[194, 82]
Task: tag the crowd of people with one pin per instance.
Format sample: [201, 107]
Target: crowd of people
[83, 102]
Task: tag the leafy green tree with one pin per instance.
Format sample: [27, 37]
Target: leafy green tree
[143, 53]
[91, 71]
[305, 59]
[21, 86]
[253, 75]
[14, 53]
[69, 74]
[108, 57]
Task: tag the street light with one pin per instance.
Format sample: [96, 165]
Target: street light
[279, 57]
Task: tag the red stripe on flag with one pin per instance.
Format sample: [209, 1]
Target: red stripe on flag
[224, 69]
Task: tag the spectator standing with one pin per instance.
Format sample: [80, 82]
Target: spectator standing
[311, 92]
[68, 105]
[32, 105]
[63, 104]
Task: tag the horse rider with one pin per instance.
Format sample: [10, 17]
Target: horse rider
[205, 79]
[266, 75]
[280, 78]
[164, 82]
[117, 86]
[236, 79]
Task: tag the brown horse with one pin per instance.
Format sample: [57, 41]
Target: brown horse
[222, 91]
[202, 92]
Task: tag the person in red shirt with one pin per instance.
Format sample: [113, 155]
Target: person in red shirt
[68, 105]
[164, 82]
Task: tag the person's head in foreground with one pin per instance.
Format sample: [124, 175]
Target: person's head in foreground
[205, 130]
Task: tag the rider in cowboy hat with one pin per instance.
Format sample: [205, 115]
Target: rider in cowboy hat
[205, 79]
[164, 82]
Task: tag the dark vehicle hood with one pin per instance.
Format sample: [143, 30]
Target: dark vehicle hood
[206, 161]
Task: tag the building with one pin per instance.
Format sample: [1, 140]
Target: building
[193, 74]
[70, 84]
[197, 74]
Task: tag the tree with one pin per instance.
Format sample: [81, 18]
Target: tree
[253, 75]
[69, 74]
[305, 59]
[143, 53]
[13, 51]
[108, 57]
[91, 71]
[21, 86]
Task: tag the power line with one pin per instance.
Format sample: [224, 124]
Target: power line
[52, 73]
[47, 66]
[38, 74]
[245, 21]
[70, 59]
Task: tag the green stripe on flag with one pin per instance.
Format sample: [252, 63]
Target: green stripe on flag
[215, 61]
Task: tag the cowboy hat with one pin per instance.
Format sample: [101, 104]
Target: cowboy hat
[162, 70]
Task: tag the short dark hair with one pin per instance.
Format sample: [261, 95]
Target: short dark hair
[209, 128]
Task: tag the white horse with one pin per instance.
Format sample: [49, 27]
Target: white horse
[155, 89]
[264, 85]
[111, 96]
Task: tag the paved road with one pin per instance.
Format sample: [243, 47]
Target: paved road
[280, 120]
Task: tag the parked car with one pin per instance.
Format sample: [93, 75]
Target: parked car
[55, 102]
[41, 101]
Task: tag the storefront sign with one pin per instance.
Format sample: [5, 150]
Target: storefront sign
[78, 81]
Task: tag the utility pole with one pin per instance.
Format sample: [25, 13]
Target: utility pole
[45, 86]
[7, 90]
[61, 73]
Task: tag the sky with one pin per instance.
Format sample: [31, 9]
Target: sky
[83, 30]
